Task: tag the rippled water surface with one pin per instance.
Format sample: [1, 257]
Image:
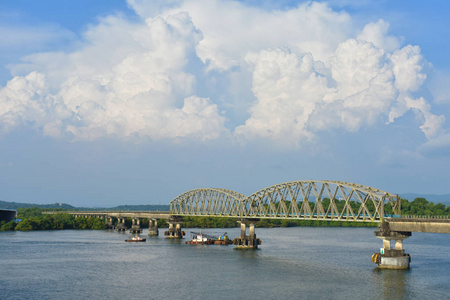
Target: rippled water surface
[297, 263]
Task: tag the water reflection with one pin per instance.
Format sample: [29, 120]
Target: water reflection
[393, 284]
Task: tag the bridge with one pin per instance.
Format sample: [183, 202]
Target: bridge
[7, 214]
[298, 200]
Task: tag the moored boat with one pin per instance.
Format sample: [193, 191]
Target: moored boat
[223, 240]
[199, 239]
[136, 238]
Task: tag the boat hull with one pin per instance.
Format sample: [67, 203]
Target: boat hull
[208, 242]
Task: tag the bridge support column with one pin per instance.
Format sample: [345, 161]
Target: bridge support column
[136, 226]
[247, 241]
[174, 231]
[121, 224]
[153, 227]
[389, 258]
[110, 223]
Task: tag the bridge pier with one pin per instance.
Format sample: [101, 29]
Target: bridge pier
[110, 223]
[174, 231]
[247, 241]
[153, 227]
[389, 258]
[136, 226]
[121, 224]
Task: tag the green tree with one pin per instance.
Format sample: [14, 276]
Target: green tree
[10, 226]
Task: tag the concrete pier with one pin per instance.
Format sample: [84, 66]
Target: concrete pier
[121, 225]
[391, 258]
[247, 241]
[136, 226]
[153, 227]
[174, 231]
[110, 223]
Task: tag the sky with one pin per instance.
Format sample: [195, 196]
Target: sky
[113, 102]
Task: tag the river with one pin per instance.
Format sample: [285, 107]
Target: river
[294, 263]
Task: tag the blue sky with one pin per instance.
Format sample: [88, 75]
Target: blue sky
[133, 102]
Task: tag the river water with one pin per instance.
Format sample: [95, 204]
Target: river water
[295, 263]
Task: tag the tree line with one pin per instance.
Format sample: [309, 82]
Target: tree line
[33, 219]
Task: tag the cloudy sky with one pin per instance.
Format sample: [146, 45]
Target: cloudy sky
[114, 102]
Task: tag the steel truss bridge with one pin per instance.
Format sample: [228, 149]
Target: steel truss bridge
[309, 199]
[302, 200]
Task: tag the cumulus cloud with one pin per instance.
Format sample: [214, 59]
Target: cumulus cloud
[233, 30]
[378, 34]
[362, 86]
[287, 87]
[25, 100]
[310, 71]
[139, 88]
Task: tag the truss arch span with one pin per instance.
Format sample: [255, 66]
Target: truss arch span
[322, 200]
[209, 202]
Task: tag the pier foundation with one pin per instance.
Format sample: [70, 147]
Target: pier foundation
[247, 241]
[121, 225]
[110, 223]
[174, 231]
[391, 258]
[136, 226]
[153, 227]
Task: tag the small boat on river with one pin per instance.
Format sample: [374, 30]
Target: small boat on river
[200, 239]
[136, 238]
[223, 240]
[205, 239]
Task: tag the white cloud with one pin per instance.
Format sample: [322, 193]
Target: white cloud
[287, 87]
[311, 71]
[139, 88]
[433, 125]
[378, 34]
[233, 30]
[298, 96]
[408, 68]
[25, 100]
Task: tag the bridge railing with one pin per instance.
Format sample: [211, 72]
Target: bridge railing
[424, 217]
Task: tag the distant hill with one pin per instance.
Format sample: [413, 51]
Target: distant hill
[142, 207]
[16, 205]
[149, 207]
[444, 199]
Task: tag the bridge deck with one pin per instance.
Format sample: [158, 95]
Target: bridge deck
[410, 224]
[122, 214]
[419, 225]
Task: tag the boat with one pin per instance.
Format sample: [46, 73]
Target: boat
[205, 239]
[200, 239]
[136, 238]
[223, 240]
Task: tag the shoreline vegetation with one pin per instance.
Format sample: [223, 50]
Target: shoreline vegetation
[32, 219]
